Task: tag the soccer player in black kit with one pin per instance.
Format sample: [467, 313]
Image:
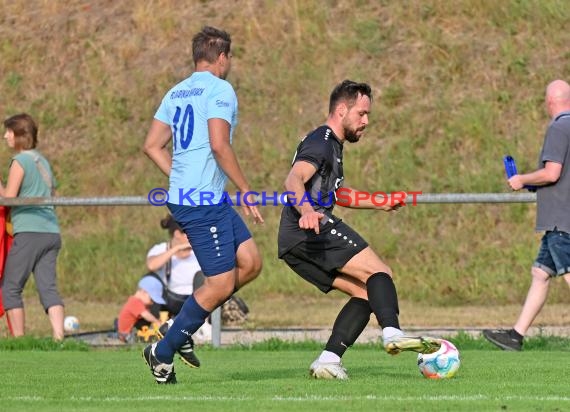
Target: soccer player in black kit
[325, 251]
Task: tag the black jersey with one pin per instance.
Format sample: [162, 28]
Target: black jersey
[322, 149]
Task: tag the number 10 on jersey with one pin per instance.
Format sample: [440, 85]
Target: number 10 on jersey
[183, 129]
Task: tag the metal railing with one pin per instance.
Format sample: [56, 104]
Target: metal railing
[427, 198]
[143, 200]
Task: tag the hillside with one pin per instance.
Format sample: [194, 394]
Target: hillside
[456, 85]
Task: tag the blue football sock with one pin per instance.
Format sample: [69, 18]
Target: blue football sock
[188, 321]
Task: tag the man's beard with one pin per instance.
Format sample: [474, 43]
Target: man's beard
[351, 135]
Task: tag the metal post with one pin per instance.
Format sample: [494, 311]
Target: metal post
[216, 316]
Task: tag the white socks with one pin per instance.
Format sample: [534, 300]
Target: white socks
[390, 333]
[329, 357]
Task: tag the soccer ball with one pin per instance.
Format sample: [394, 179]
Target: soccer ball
[442, 364]
[70, 324]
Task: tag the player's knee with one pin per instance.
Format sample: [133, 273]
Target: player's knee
[359, 292]
[257, 266]
[253, 272]
[252, 266]
[388, 271]
[383, 269]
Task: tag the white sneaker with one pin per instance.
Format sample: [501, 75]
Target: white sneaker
[327, 370]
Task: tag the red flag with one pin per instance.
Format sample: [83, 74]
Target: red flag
[5, 244]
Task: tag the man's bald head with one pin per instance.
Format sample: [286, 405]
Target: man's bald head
[557, 97]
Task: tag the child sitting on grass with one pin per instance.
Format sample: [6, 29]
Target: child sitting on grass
[136, 310]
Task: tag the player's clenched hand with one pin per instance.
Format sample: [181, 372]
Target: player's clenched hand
[311, 220]
[394, 205]
[516, 183]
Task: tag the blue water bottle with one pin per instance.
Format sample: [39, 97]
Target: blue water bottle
[511, 170]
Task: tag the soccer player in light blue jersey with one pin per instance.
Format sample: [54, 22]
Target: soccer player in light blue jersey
[199, 114]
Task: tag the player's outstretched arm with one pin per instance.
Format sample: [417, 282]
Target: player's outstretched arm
[359, 199]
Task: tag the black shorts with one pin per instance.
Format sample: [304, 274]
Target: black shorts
[318, 257]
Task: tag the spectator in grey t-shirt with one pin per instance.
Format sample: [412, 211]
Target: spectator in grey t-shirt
[553, 214]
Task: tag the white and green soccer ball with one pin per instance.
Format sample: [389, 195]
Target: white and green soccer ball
[442, 364]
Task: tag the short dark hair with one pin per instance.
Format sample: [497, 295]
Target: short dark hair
[25, 131]
[169, 223]
[209, 43]
[348, 92]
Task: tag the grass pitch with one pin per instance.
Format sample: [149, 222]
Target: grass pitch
[274, 376]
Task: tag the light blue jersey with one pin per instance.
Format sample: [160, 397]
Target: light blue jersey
[196, 178]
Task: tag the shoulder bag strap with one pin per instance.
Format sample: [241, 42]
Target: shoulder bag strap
[43, 171]
[168, 267]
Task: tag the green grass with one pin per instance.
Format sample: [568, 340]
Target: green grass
[42, 344]
[273, 376]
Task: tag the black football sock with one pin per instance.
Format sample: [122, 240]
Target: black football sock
[349, 324]
[383, 299]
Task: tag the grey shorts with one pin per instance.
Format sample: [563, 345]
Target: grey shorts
[554, 253]
[37, 253]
